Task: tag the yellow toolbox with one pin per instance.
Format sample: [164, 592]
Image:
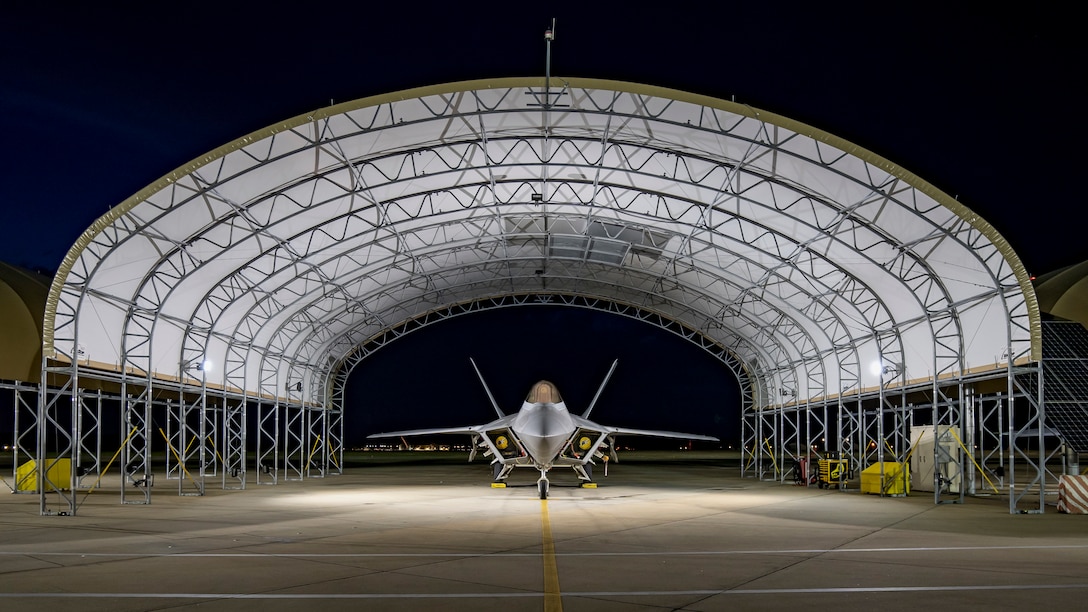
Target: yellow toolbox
[58, 472]
[896, 479]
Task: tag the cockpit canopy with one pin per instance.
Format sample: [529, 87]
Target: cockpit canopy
[543, 392]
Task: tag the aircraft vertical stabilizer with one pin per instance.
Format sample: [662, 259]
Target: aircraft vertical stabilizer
[494, 404]
[585, 415]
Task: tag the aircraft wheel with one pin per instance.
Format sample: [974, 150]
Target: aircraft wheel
[542, 485]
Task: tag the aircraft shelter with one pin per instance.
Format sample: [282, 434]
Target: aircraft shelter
[851, 299]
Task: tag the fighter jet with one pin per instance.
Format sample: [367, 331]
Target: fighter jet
[543, 434]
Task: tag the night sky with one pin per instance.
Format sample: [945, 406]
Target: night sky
[662, 381]
[98, 100]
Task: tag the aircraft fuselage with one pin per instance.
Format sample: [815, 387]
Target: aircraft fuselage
[543, 427]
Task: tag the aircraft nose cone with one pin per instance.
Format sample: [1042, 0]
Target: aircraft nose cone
[543, 435]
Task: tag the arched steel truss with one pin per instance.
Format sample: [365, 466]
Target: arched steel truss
[363, 349]
[263, 270]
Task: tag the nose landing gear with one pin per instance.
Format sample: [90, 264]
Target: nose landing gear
[542, 485]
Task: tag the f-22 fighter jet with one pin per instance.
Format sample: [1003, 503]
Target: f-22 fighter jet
[543, 434]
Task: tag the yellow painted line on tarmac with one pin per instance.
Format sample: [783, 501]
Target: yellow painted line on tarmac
[553, 601]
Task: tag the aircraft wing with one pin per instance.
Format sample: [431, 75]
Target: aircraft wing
[593, 439]
[470, 430]
[624, 431]
[495, 437]
[467, 430]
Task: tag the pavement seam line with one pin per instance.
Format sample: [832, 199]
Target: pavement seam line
[553, 601]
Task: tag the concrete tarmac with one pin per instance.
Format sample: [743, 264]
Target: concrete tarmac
[654, 536]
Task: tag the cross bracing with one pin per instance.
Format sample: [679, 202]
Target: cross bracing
[803, 257]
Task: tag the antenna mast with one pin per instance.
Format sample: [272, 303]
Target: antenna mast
[543, 99]
[549, 36]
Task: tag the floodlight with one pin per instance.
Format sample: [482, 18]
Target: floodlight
[880, 369]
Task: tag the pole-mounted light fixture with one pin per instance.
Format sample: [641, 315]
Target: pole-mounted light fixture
[882, 368]
[199, 364]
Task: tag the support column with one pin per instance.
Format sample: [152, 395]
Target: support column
[234, 445]
[335, 447]
[137, 478]
[88, 466]
[57, 441]
[991, 438]
[211, 454]
[188, 446]
[1026, 428]
[26, 439]
[749, 444]
[851, 435]
[268, 442]
[316, 440]
[294, 443]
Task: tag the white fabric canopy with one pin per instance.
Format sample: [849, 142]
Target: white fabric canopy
[819, 266]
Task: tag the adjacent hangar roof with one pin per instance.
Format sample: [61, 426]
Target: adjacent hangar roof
[22, 302]
[818, 266]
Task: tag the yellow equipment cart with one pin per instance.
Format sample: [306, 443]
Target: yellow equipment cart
[833, 472]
